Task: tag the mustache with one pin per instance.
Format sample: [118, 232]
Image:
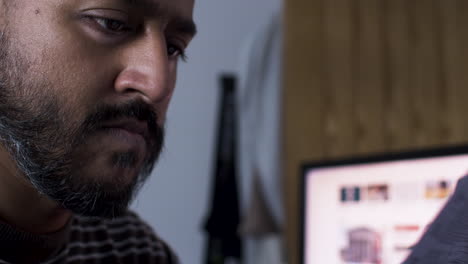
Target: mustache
[137, 109]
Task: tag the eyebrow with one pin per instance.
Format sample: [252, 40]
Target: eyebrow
[185, 26]
[146, 3]
[181, 24]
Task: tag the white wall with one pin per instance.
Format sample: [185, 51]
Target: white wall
[175, 200]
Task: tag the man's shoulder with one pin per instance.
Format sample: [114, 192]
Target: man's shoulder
[125, 239]
[127, 226]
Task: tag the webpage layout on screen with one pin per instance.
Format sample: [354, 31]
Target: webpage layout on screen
[374, 213]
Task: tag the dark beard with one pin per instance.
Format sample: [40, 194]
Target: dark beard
[38, 135]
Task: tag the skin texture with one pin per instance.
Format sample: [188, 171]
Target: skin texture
[73, 57]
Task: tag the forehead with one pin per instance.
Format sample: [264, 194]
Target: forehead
[162, 7]
[179, 8]
[180, 12]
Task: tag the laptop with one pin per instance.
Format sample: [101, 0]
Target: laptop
[373, 210]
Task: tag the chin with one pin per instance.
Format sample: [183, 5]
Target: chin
[107, 196]
[106, 192]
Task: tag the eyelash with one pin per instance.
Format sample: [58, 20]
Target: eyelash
[180, 52]
[104, 23]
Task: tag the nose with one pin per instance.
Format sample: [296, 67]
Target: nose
[146, 69]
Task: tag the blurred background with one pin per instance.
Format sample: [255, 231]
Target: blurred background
[176, 199]
[315, 80]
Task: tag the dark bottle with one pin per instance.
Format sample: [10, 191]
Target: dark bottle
[223, 220]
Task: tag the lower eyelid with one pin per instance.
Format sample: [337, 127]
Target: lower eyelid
[98, 23]
[98, 34]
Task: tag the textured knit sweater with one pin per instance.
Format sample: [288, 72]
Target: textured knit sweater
[126, 239]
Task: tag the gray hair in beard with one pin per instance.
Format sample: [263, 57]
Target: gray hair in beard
[35, 132]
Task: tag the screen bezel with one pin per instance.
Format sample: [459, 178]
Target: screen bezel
[368, 159]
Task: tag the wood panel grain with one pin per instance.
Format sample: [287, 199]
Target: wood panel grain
[425, 82]
[462, 90]
[397, 118]
[339, 45]
[456, 62]
[303, 119]
[369, 103]
[453, 70]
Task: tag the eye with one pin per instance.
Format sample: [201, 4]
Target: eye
[175, 51]
[112, 25]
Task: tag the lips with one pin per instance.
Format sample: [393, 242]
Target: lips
[131, 126]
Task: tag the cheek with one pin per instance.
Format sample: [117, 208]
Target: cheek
[76, 88]
[162, 107]
[59, 61]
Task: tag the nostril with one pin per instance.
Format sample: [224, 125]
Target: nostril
[148, 83]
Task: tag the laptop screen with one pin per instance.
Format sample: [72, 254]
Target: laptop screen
[373, 210]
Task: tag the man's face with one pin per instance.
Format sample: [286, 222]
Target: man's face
[84, 90]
